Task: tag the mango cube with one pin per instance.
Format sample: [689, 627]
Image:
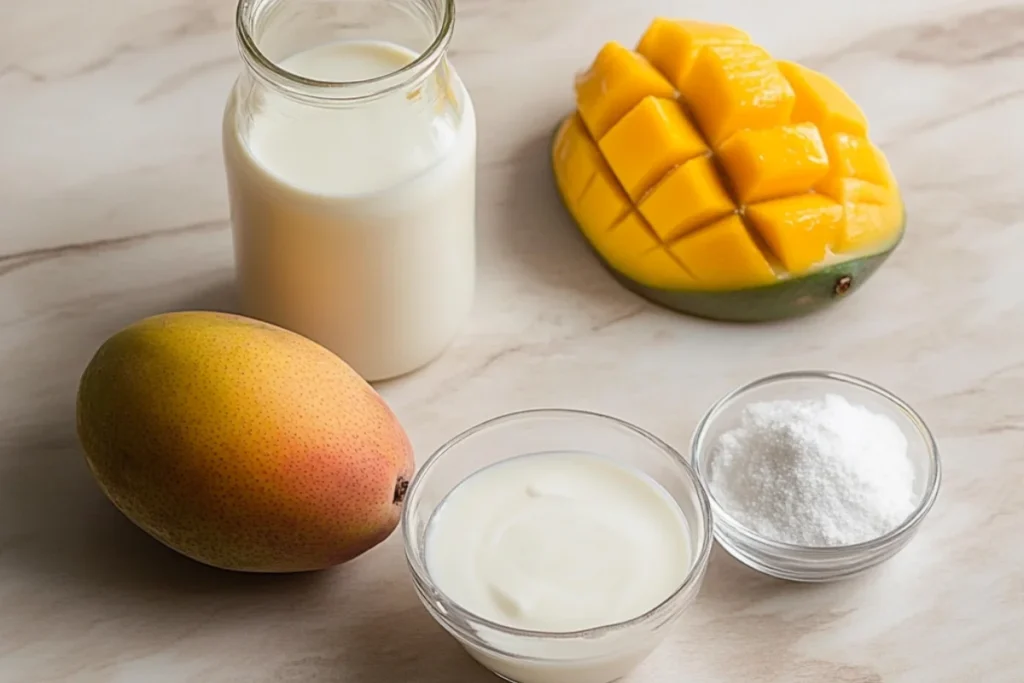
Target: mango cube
[631, 248]
[672, 45]
[724, 256]
[689, 197]
[648, 141]
[821, 102]
[866, 226]
[628, 238]
[774, 162]
[602, 204]
[846, 190]
[578, 157]
[615, 83]
[658, 268]
[852, 156]
[732, 87]
[799, 230]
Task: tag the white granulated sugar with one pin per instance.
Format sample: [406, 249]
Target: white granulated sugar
[817, 472]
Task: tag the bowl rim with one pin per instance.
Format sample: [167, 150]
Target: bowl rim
[694, 573]
[736, 529]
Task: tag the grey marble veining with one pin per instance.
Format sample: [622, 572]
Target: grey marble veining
[112, 207]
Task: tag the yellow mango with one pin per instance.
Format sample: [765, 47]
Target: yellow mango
[648, 141]
[868, 226]
[845, 190]
[658, 268]
[602, 204]
[630, 247]
[723, 256]
[615, 83]
[799, 230]
[240, 444]
[577, 158]
[689, 197]
[627, 240]
[821, 102]
[774, 162]
[672, 45]
[698, 166]
[852, 156]
[732, 87]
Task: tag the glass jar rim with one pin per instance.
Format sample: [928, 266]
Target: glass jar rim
[338, 91]
[693, 574]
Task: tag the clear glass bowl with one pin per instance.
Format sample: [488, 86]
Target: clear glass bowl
[816, 564]
[595, 655]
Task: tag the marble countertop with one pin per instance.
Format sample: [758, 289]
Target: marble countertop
[112, 206]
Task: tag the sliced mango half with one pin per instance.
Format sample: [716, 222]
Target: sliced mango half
[716, 180]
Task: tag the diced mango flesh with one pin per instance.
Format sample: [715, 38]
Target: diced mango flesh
[821, 102]
[691, 196]
[845, 190]
[632, 249]
[647, 142]
[774, 162]
[577, 156]
[867, 226]
[698, 162]
[724, 256]
[629, 239]
[602, 204]
[672, 45]
[732, 87]
[852, 156]
[799, 230]
[614, 84]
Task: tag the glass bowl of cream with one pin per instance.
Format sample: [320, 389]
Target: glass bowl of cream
[815, 476]
[557, 546]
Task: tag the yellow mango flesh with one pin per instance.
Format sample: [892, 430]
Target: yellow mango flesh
[672, 45]
[689, 197]
[821, 102]
[700, 162]
[618, 80]
[242, 445]
[577, 158]
[800, 229]
[652, 138]
[724, 256]
[732, 87]
[774, 162]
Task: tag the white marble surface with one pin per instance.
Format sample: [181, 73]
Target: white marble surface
[112, 206]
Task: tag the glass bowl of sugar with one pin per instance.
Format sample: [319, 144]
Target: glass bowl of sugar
[815, 476]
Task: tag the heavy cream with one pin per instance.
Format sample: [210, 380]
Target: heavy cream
[354, 223]
[558, 542]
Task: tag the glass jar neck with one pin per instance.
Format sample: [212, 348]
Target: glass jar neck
[270, 31]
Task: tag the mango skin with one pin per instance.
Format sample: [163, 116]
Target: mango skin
[240, 444]
[789, 299]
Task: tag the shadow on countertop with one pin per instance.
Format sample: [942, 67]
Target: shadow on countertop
[403, 643]
[533, 228]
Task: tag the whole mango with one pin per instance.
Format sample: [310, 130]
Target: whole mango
[240, 444]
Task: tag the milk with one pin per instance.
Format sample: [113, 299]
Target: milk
[354, 223]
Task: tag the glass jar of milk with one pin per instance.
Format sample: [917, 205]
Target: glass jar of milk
[350, 147]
